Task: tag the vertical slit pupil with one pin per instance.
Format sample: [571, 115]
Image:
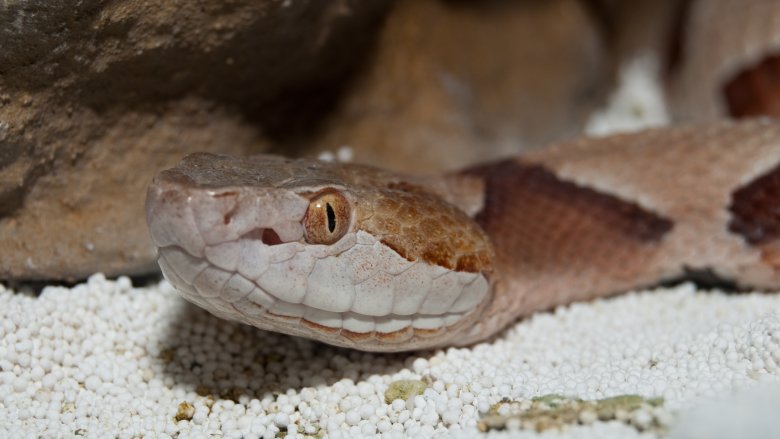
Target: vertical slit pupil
[331, 217]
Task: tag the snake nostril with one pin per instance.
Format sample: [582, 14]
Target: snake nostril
[270, 237]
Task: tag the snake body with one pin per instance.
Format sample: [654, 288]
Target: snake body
[365, 258]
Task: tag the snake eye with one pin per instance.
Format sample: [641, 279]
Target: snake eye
[327, 218]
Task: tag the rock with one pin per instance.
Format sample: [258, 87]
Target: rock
[95, 97]
[456, 82]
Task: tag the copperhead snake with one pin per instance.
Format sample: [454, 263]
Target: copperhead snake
[365, 258]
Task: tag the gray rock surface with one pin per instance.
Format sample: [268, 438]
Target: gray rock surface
[95, 97]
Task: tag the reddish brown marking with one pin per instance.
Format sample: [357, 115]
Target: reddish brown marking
[547, 231]
[319, 327]
[755, 91]
[396, 249]
[396, 336]
[427, 333]
[357, 336]
[438, 254]
[423, 227]
[229, 216]
[469, 263]
[755, 209]
[270, 237]
[225, 194]
[516, 188]
[442, 255]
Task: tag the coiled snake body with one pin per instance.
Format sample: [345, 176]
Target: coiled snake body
[361, 257]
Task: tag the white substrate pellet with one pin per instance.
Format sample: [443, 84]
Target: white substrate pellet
[104, 359]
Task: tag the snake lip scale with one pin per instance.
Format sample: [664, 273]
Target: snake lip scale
[369, 259]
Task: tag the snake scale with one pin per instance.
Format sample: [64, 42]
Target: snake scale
[365, 258]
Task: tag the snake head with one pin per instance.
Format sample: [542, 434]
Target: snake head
[346, 254]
